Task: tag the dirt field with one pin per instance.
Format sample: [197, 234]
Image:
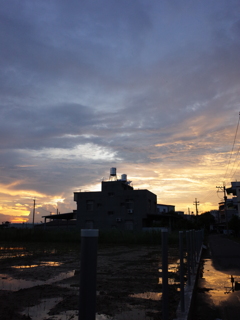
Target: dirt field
[47, 279]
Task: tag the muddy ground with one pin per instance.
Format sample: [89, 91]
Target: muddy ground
[128, 281]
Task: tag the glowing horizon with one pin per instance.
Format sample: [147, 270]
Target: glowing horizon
[151, 89]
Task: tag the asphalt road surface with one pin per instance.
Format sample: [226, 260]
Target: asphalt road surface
[214, 299]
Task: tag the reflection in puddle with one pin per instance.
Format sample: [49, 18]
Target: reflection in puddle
[172, 271]
[41, 264]
[25, 267]
[51, 263]
[218, 282]
[7, 249]
[40, 311]
[12, 284]
[73, 315]
[13, 252]
[136, 314]
[147, 295]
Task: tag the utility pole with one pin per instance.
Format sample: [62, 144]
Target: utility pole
[34, 203]
[223, 189]
[196, 203]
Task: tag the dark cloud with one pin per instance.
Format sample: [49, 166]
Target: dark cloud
[93, 84]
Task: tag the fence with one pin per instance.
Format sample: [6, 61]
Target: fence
[190, 249]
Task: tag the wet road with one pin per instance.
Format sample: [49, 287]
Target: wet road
[215, 298]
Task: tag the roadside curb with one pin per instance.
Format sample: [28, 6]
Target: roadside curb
[189, 291]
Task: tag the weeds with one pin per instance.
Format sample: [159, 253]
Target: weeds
[112, 237]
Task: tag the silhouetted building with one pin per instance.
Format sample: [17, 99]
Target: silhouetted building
[235, 191]
[117, 206]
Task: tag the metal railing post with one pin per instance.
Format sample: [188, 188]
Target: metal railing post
[165, 311]
[181, 271]
[188, 258]
[88, 274]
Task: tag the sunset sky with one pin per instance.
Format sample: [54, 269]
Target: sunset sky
[149, 87]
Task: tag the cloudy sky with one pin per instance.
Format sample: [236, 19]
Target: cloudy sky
[149, 87]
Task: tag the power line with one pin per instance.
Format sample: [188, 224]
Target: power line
[232, 146]
[234, 164]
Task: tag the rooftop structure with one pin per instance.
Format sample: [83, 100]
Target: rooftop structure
[116, 206]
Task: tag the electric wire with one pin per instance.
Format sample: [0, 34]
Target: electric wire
[232, 147]
[216, 193]
[234, 165]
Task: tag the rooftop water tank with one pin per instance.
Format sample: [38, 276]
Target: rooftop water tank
[113, 172]
[124, 177]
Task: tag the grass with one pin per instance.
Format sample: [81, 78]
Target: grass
[112, 237]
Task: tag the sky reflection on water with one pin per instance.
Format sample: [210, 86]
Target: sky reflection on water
[218, 283]
[12, 284]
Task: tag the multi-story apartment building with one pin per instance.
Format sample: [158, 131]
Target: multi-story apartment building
[117, 206]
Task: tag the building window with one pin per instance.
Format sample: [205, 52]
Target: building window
[88, 224]
[129, 204]
[149, 205]
[129, 225]
[90, 204]
[110, 213]
[111, 194]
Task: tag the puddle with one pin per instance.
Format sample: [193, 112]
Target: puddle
[41, 264]
[72, 315]
[7, 249]
[40, 311]
[25, 267]
[13, 252]
[136, 314]
[218, 283]
[12, 284]
[172, 270]
[147, 295]
[172, 267]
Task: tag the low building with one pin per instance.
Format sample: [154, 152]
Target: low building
[165, 208]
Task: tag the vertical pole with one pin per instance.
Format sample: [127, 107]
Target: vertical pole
[194, 248]
[200, 245]
[192, 252]
[225, 208]
[181, 271]
[34, 202]
[88, 274]
[165, 310]
[197, 245]
[188, 258]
